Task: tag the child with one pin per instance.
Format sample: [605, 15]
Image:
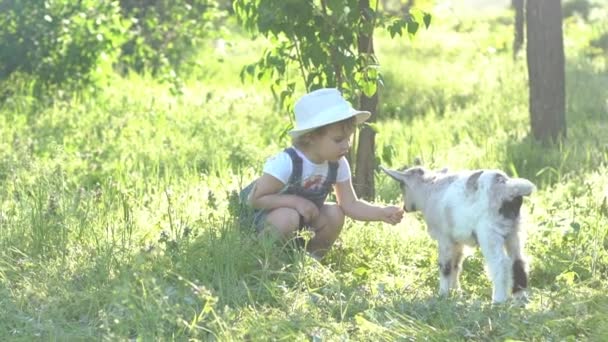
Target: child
[291, 193]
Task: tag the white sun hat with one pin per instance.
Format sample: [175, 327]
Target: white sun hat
[323, 107]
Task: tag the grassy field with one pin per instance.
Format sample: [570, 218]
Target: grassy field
[117, 218]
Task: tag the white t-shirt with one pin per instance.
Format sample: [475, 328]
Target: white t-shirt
[313, 175]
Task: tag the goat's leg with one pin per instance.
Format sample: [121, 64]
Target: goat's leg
[446, 252]
[457, 258]
[499, 264]
[515, 244]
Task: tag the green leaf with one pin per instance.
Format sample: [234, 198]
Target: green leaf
[412, 27]
[575, 226]
[369, 88]
[427, 20]
[388, 152]
[362, 271]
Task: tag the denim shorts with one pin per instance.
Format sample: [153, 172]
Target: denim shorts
[257, 217]
[259, 220]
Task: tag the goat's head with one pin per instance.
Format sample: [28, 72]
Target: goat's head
[410, 180]
[504, 193]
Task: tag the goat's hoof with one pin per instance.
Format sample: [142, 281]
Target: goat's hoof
[521, 298]
[444, 294]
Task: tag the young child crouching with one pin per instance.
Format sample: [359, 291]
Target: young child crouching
[291, 193]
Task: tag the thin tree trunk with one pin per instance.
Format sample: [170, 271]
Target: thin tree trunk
[366, 159]
[545, 55]
[518, 41]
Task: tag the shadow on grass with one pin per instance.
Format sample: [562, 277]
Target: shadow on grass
[566, 314]
[586, 145]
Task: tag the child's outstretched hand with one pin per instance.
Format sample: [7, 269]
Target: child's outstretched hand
[392, 214]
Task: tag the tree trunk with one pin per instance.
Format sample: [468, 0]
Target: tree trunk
[366, 159]
[545, 55]
[518, 41]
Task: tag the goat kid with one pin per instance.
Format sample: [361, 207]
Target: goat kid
[471, 208]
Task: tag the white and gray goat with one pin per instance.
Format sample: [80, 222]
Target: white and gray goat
[480, 207]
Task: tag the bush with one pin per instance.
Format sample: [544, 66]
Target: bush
[57, 42]
[164, 34]
[60, 43]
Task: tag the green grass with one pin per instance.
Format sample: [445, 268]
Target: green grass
[116, 219]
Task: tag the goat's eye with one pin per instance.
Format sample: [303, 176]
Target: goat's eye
[500, 178]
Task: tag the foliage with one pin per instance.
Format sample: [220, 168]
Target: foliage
[61, 42]
[57, 42]
[165, 34]
[320, 42]
[583, 8]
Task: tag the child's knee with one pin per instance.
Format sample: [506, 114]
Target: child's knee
[286, 220]
[334, 216]
[337, 214]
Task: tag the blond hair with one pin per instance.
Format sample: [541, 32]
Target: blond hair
[347, 125]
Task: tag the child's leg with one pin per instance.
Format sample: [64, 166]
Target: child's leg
[327, 227]
[283, 221]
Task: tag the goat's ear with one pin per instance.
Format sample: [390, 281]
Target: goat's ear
[472, 182]
[397, 175]
[519, 187]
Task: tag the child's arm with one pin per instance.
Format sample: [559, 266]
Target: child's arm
[360, 210]
[266, 195]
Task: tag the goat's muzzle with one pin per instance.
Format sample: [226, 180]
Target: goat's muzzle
[412, 209]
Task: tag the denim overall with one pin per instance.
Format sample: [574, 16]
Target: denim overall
[294, 187]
